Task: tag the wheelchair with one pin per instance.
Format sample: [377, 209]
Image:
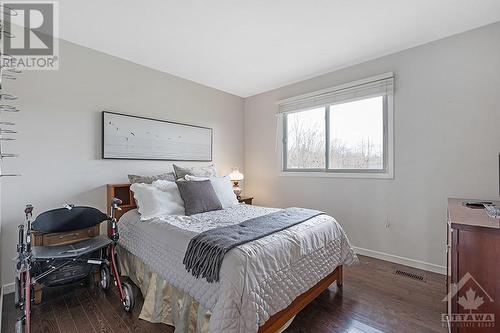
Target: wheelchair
[64, 264]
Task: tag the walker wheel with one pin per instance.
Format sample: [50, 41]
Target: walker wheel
[105, 281]
[129, 301]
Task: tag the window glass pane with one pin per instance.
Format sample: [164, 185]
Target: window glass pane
[306, 139]
[357, 134]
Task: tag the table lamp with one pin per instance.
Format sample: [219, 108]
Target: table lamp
[236, 176]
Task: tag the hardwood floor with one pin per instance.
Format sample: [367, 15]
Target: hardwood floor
[373, 299]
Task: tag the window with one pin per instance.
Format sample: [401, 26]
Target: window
[306, 139]
[357, 135]
[350, 134]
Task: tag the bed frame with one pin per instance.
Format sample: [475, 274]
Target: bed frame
[277, 321]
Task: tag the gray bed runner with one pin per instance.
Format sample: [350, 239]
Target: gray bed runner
[206, 250]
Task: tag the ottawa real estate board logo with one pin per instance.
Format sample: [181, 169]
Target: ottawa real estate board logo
[29, 32]
[472, 299]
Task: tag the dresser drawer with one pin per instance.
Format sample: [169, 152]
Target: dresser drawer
[61, 238]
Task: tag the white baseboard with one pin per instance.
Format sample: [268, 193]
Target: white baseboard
[401, 260]
[8, 288]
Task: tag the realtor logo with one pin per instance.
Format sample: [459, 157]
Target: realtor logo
[471, 296]
[29, 35]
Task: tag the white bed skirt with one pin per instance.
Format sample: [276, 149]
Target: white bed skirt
[163, 303]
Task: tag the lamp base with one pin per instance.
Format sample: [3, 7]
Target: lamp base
[237, 189]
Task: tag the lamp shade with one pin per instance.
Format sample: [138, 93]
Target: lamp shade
[236, 175]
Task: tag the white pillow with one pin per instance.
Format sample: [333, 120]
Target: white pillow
[222, 187]
[162, 197]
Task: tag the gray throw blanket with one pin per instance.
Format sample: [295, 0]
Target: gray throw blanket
[206, 250]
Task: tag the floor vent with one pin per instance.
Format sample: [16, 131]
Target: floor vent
[414, 276]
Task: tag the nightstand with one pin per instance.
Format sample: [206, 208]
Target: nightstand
[245, 200]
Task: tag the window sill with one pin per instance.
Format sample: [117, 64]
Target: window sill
[320, 174]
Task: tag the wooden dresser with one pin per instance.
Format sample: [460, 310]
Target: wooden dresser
[473, 269]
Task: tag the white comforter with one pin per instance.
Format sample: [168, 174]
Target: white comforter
[257, 279]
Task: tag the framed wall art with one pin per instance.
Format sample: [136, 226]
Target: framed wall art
[139, 138]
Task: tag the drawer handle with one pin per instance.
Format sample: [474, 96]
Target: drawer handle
[69, 235]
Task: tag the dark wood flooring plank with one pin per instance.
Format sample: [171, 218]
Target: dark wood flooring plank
[43, 319]
[375, 299]
[65, 322]
[82, 321]
[97, 319]
[9, 314]
[110, 313]
[130, 319]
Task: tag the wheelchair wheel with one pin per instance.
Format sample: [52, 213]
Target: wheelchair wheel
[105, 281]
[17, 292]
[129, 301]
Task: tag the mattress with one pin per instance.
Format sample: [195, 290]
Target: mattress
[257, 279]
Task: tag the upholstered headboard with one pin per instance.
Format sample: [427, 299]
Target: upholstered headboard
[122, 192]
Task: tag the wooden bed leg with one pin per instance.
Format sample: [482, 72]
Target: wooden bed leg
[340, 278]
[96, 277]
[38, 293]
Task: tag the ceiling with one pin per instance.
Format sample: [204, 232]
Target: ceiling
[248, 47]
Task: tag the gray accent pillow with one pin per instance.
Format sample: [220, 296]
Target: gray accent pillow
[198, 196]
[150, 179]
[207, 171]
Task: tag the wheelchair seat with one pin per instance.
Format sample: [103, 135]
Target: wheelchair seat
[71, 250]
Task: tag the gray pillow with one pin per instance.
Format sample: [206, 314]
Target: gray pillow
[150, 179]
[198, 196]
[208, 171]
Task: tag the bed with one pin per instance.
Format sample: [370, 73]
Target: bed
[263, 284]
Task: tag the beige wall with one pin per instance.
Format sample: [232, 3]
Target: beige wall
[447, 140]
[60, 131]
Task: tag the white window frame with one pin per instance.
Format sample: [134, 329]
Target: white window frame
[386, 173]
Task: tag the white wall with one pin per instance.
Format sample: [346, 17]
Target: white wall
[447, 140]
[60, 131]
